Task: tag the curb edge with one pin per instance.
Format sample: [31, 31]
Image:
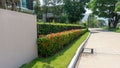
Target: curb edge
[77, 54]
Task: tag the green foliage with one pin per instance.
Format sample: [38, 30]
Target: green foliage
[106, 9]
[47, 28]
[92, 21]
[103, 8]
[117, 7]
[74, 9]
[63, 19]
[102, 23]
[54, 7]
[52, 43]
[37, 10]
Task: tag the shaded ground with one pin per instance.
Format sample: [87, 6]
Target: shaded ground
[106, 47]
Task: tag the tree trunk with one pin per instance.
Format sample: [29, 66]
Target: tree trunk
[54, 11]
[19, 5]
[115, 24]
[13, 5]
[113, 21]
[45, 10]
[3, 4]
[116, 19]
[46, 14]
[109, 25]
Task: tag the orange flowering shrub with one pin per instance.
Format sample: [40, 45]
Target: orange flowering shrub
[50, 44]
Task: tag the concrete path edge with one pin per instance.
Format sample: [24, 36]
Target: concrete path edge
[77, 54]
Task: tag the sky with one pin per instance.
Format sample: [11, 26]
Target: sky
[87, 13]
[41, 1]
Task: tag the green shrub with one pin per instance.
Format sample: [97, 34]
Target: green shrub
[47, 28]
[63, 19]
[50, 44]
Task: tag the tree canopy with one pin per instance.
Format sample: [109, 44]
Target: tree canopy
[92, 21]
[37, 9]
[117, 7]
[103, 8]
[74, 9]
[106, 9]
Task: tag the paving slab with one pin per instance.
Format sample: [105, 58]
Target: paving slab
[106, 47]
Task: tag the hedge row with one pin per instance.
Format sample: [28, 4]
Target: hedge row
[52, 43]
[47, 28]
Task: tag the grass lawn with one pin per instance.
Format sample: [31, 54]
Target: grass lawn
[59, 60]
[118, 30]
[114, 30]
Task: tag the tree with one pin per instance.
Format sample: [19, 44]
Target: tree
[45, 9]
[117, 7]
[74, 9]
[3, 4]
[37, 9]
[56, 7]
[13, 3]
[102, 23]
[92, 21]
[105, 8]
[51, 6]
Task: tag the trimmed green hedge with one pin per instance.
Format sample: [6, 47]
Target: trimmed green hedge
[47, 28]
[50, 44]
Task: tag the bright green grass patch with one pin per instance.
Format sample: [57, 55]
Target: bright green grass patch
[118, 30]
[59, 60]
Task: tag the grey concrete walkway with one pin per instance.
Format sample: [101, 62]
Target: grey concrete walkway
[107, 50]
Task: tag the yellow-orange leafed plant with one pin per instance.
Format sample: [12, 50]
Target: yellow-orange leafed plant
[52, 43]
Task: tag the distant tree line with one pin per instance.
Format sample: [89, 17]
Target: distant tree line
[63, 10]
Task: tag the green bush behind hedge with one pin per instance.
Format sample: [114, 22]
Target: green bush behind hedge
[50, 44]
[47, 28]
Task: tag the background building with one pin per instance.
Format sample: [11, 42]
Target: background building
[27, 4]
[30, 4]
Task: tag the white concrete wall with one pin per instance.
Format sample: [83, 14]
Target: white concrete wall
[18, 36]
